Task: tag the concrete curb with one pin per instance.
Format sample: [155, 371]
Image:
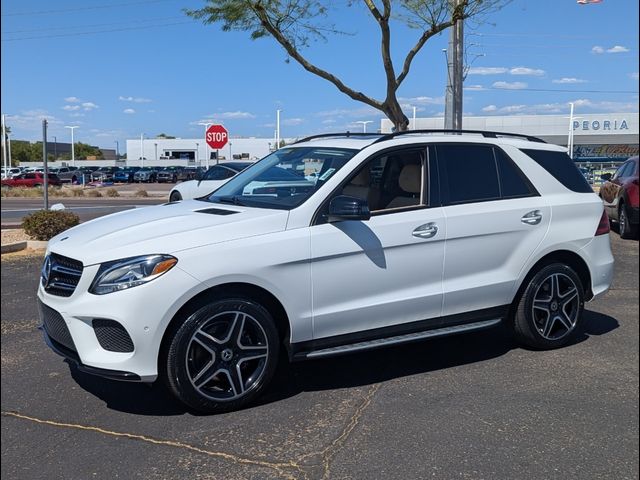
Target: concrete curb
[18, 246]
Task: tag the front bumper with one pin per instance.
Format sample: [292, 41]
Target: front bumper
[143, 311]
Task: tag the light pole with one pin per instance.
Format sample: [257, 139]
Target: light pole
[364, 124]
[206, 126]
[278, 129]
[197, 155]
[117, 150]
[230, 157]
[570, 139]
[9, 146]
[4, 145]
[413, 124]
[156, 150]
[73, 148]
[55, 148]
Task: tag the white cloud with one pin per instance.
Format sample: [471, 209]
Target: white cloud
[346, 112]
[617, 49]
[561, 107]
[237, 115]
[486, 70]
[510, 85]
[633, 75]
[422, 100]
[292, 122]
[71, 108]
[76, 114]
[129, 111]
[535, 72]
[489, 108]
[568, 80]
[134, 99]
[72, 100]
[474, 88]
[328, 121]
[597, 50]
[89, 106]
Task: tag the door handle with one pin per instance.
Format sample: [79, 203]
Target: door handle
[532, 218]
[427, 230]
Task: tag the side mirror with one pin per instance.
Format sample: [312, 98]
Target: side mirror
[198, 176]
[606, 177]
[344, 207]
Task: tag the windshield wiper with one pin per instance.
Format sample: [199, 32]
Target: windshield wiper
[232, 199]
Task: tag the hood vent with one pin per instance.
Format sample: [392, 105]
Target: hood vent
[216, 211]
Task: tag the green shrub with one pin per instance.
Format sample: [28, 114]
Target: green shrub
[112, 192]
[142, 193]
[46, 224]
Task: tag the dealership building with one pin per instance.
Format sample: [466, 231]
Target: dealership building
[194, 151]
[610, 137]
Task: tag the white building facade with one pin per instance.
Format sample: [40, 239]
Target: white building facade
[193, 151]
[609, 137]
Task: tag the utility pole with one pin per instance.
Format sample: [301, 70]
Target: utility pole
[277, 129]
[142, 150]
[455, 57]
[4, 145]
[45, 165]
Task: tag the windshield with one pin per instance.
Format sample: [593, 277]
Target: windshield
[283, 179]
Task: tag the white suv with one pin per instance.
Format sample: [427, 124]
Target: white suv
[402, 237]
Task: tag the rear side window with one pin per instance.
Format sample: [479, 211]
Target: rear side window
[562, 168]
[470, 171]
[513, 183]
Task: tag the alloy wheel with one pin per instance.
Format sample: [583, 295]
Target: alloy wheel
[226, 357]
[556, 306]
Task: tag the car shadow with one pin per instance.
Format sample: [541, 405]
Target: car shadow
[355, 370]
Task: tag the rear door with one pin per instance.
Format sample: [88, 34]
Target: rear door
[495, 221]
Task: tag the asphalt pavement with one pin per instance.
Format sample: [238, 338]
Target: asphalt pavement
[474, 406]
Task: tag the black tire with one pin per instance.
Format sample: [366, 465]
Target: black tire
[236, 351]
[549, 316]
[175, 197]
[627, 229]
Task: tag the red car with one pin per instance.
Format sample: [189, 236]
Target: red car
[31, 179]
[620, 197]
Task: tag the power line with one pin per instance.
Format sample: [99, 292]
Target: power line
[76, 34]
[548, 35]
[80, 9]
[554, 90]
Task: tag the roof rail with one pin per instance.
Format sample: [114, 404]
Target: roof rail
[329, 135]
[484, 133]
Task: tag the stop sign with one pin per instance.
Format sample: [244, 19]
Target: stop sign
[216, 136]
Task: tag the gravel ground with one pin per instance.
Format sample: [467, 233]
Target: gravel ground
[14, 235]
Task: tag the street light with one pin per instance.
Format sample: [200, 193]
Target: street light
[206, 150]
[278, 129]
[117, 150]
[197, 156]
[156, 150]
[570, 139]
[73, 148]
[55, 148]
[364, 124]
[142, 150]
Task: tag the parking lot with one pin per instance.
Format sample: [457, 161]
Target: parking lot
[472, 406]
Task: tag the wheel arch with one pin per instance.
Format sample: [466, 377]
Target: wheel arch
[569, 258]
[227, 290]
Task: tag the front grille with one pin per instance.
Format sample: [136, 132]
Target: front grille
[55, 326]
[60, 275]
[112, 336]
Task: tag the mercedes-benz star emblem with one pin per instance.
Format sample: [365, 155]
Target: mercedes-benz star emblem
[46, 271]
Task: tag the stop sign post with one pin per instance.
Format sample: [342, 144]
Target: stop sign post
[216, 137]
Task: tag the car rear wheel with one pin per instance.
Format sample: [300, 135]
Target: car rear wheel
[550, 308]
[627, 229]
[223, 356]
[175, 197]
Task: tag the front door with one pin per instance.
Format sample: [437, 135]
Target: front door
[388, 270]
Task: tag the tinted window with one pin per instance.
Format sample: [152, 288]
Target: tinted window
[470, 172]
[513, 183]
[218, 173]
[562, 168]
[629, 169]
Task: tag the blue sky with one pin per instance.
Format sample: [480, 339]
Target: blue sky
[118, 68]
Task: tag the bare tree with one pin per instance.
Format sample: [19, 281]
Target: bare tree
[294, 23]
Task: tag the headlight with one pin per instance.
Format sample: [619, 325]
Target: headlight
[130, 272]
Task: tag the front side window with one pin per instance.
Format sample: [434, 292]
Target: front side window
[218, 173]
[470, 172]
[283, 179]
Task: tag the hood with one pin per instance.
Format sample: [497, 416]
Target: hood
[167, 228]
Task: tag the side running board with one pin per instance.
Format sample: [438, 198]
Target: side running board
[409, 337]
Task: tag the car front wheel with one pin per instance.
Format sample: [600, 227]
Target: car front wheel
[223, 356]
[175, 197]
[549, 311]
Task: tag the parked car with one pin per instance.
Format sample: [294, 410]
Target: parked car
[31, 179]
[125, 175]
[171, 175]
[192, 172]
[103, 174]
[205, 294]
[10, 172]
[145, 175]
[620, 197]
[212, 179]
[66, 174]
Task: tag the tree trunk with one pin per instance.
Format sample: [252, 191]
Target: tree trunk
[393, 111]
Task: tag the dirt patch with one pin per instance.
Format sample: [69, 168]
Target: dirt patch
[14, 235]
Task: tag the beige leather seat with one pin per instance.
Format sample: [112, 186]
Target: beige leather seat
[359, 186]
[409, 182]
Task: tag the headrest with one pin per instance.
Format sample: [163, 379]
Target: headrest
[410, 178]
